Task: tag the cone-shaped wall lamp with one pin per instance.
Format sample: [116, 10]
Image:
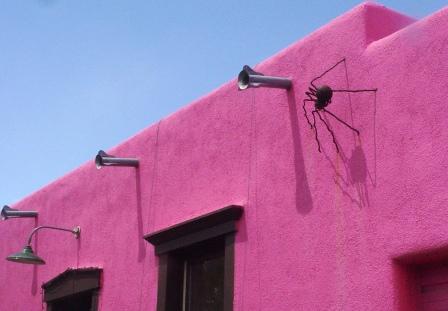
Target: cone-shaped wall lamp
[250, 78]
[8, 212]
[104, 159]
[27, 255]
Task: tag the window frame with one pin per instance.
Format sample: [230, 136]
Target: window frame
[221, 223]
[72, 282]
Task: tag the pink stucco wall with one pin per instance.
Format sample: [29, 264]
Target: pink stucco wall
[321, 231]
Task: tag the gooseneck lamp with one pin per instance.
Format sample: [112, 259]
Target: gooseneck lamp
[104, 159]
[28, 256]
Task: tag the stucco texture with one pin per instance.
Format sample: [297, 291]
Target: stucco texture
[320, 231]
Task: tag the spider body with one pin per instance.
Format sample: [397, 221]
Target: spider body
[321, 97]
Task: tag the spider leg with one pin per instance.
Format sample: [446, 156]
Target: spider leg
[315, 130]
[310, 95]
[306, 115]
[318, 77]
[343, 122]
[356, 91]
[312, 91]
[330, 130]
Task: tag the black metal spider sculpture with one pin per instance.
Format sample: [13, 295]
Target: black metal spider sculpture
[321, 97]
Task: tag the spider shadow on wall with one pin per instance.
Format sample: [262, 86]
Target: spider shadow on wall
[352, 179]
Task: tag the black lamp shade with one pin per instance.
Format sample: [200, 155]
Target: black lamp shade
[26, 256]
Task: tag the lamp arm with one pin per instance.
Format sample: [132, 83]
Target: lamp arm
[76, 231]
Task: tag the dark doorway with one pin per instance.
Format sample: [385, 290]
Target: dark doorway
[73, 290]
[196, 261]
[203, 281]
[79, 302]
[433, 287]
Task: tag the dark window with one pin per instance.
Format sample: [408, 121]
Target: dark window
[73, 290]
[196, 262]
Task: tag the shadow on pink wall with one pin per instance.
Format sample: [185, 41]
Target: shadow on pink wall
[303, 199]
[139, 214]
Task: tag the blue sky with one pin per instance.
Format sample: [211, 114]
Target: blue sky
[79, 76]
